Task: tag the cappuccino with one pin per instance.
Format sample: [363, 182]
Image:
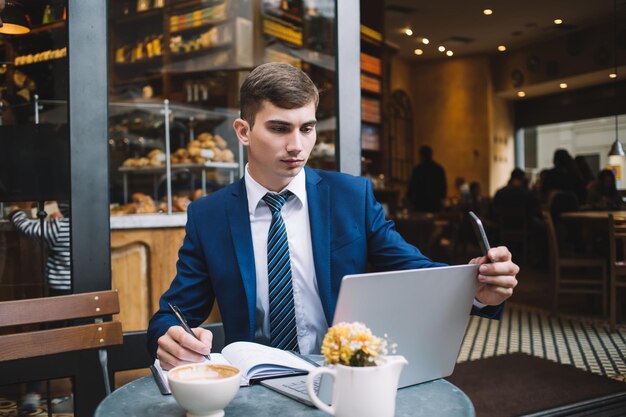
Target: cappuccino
[203, 373]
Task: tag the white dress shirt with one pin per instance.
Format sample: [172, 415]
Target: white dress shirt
[310, 319]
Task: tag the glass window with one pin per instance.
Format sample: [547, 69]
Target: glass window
[34, 152]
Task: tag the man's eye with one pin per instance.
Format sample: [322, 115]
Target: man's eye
[278, 129]
[307, 129]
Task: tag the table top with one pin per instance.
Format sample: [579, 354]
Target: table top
[142, 398]
[592, 215]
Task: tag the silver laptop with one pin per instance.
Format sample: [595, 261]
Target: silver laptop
[424, 311]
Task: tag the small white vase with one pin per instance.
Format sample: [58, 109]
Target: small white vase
[361, 391]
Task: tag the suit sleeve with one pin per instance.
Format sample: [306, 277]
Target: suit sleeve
[191, 289]
[388, 251]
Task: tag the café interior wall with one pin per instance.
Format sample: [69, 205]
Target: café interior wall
[457, 114]
[502, 146]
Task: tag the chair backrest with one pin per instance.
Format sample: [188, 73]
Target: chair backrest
[27, 344]
[617, 233]
[553, 242]
[561, 201]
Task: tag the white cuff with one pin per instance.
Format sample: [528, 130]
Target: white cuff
[478, 304]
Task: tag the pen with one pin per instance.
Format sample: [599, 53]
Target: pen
[183, 323]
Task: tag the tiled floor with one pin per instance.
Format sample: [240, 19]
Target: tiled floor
[567, 339]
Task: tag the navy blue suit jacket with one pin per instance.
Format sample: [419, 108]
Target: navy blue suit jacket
[349, 232]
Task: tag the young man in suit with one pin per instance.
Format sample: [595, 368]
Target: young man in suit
[331, 221]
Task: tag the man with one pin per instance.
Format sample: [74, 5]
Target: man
[427, 187]
[516, 195]
[334, 227]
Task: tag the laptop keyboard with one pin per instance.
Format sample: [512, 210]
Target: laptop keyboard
[300, 386]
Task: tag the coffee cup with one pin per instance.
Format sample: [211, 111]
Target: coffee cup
[204, 389]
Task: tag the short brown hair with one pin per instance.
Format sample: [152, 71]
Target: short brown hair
[281, 84]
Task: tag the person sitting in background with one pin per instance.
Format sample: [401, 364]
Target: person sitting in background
[564, 176]
[514, 206]
[427, 187]
[517, 194]
[603, 194]
[586, 175]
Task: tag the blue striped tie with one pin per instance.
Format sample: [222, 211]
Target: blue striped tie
[283, 332]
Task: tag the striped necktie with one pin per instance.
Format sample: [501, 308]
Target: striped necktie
[283, 332]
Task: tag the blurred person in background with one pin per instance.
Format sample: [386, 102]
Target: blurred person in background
[603, 194]
[427, 187]
[564, 176]
[56, 235]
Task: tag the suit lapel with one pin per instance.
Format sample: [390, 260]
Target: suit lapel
[319, 218]
[239, 222]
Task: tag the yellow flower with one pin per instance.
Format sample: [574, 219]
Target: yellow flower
[351, 344]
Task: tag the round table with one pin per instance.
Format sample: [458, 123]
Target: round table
[142, 398]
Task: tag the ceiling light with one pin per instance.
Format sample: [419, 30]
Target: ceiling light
[558, 21]
[418, 52]
[425, 41]
[14, 19]
[487, 12]
[441, 48]
[408, 32]
[612, 75]
[501, 48]
[563, 85]
[449, 53]
[521, 94]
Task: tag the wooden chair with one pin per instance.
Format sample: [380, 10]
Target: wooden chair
[14, 315]
[513, 229]
[617, 250]
[569, 282]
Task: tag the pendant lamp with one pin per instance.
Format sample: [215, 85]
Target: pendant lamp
[616, 148]
[14, 19]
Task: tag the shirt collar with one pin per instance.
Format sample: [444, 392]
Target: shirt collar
[256, 191]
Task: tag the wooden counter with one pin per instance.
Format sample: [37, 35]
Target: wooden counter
[143, 264]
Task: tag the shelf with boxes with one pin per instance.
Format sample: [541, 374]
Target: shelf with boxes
[177, 40]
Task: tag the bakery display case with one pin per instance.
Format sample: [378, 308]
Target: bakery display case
[164, 155]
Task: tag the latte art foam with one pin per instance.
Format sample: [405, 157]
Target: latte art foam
[203, 373]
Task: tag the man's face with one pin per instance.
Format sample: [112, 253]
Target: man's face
[279, 143]
[2, 4]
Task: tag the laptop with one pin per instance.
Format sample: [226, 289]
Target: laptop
[424, 311]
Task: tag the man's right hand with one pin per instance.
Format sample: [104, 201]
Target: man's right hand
[177, 347]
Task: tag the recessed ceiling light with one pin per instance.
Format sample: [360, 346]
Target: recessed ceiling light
[425, 41]
[563, 85]
[418, 52]
[612, 75]
[441, 48]
[558, 21]
[487, 12]
[501, 48]
[449, 52]
[408, 31]
[521, 94]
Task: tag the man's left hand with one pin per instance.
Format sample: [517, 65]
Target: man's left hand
[497, 278]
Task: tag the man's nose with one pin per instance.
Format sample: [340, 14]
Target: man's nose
[294, 142]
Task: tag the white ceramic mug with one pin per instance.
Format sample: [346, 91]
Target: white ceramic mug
[204, 389]
[360, 391]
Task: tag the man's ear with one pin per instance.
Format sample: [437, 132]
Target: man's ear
[242, 130]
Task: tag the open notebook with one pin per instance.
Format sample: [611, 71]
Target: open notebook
[255, 361]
